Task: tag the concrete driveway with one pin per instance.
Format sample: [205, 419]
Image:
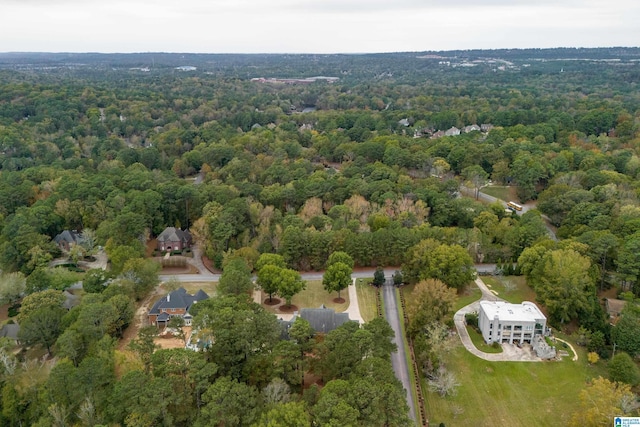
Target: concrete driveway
[510, 353]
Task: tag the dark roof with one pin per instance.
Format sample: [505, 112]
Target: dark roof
[172, 234]
[71, 300]
[324, 320]
[10, 330]
[178, 299]
[69, 236]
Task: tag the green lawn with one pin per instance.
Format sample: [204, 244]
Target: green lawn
[469, 295]
[478, 341]
[366, 299]
[193, 287]
[511, 393]
[501, 192]
[315, 295]
[520, 290]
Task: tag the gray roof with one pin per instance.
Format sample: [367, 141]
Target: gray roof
[172, 234]
[10, 330]
[71, 300]
[178, 299]
[324, 320]
[69, 236]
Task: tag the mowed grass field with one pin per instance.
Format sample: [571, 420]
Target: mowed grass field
[366, 299]
[315, 295]
[501, 192]
[513, 394]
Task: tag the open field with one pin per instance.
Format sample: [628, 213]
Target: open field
[511, 393]
[193, 287]
[502, 192]
[366, 299]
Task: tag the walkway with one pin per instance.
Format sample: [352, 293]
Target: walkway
[399, 357]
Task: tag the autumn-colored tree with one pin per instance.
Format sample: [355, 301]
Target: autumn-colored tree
[601, 401]
[430, 301]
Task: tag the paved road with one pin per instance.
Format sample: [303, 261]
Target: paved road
[398, 358]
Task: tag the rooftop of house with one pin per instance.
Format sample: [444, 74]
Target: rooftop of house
[172, 234]
[615, 306]
[178, 299]
[69, 236]
[323, 319]
[505, 311]
[10, 330]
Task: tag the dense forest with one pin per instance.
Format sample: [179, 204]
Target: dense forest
[253, 159]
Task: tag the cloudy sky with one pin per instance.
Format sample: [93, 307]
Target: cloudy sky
[313, 26]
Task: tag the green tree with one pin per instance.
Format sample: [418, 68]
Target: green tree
[94, 280]
[623, 369]
[290, 414]
[42, 326]
[337, 277]
[142, 274]
[268, 279]
[229, 403]
[430, 301]
[626, 333]
[235, 278]
[12, 287]
[144, 345]
[290, 284]
[35, 301]
[475, 177]
[378, 277]
[342, 257]
[451, 264]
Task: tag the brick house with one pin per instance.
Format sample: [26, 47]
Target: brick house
[176, 303]
[174, 239]
[67, 239]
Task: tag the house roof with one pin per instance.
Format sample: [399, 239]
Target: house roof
[324, 320]
[172, 234]
[69, 236]
[178, 299]
[615, 306]
[10, 330]
[71, 300]
[525, 312]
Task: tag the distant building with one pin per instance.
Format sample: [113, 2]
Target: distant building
[322, 320]
[404, 122]
[504, 322]
[453, 131]
[614, 306]
[471, 128]
[486, 127]
[186, 68]
[174, 239]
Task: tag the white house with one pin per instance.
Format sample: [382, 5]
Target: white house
[504, 322]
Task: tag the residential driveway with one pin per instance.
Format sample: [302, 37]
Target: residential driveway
[399, 357]
[510, 352]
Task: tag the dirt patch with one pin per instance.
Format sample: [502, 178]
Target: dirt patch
[272, 301]
[4, 312]
[152, 245]
[140, 318]
[167, 340]
[287, 308]
[208, 264]
[339, 300]
[187, 269]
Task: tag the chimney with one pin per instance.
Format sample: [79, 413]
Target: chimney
[168, 297]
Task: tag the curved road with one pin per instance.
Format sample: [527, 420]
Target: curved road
[399, 357]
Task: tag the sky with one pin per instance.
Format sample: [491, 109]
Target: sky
[313, 26]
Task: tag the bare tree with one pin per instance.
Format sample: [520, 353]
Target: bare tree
[444, 383]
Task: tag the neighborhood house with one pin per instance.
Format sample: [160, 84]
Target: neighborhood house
[176, 303]
[174, 239]
[504, 322]
[67, 239]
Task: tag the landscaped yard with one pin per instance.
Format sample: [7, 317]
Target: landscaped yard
[366, 299]
[525, 394]
[315, 295]
[193, 287]
[478, 341]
